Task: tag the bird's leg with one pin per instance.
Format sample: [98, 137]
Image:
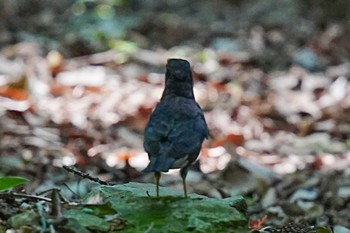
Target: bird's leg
[157, 176]
[183, 173]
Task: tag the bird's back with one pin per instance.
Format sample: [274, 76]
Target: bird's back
[174, 134]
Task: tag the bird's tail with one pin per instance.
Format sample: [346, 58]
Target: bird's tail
[159, 164]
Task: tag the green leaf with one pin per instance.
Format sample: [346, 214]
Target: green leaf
[99, 210]
[29, 217]
[171, 211]
[75, 226]
[322, 230]
[8, 182]
[87, 220]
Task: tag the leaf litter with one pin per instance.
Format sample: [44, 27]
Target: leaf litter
[280, 138]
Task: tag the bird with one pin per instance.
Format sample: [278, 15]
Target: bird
[176, 128]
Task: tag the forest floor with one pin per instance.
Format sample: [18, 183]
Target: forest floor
[277, 104]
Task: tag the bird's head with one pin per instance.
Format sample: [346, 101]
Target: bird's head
[178, 70]
[178, 78]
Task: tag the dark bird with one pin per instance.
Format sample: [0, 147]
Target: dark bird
[176, 128]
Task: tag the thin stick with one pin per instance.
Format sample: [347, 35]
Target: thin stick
[23, 195]
[85, 175]
[31, 197]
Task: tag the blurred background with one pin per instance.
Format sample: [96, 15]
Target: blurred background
[78, 80]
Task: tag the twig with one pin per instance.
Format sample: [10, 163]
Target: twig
[85, 175]
[30, 197]
[23, 195]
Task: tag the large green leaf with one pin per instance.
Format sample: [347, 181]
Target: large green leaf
[8, 182]
[171, 212]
